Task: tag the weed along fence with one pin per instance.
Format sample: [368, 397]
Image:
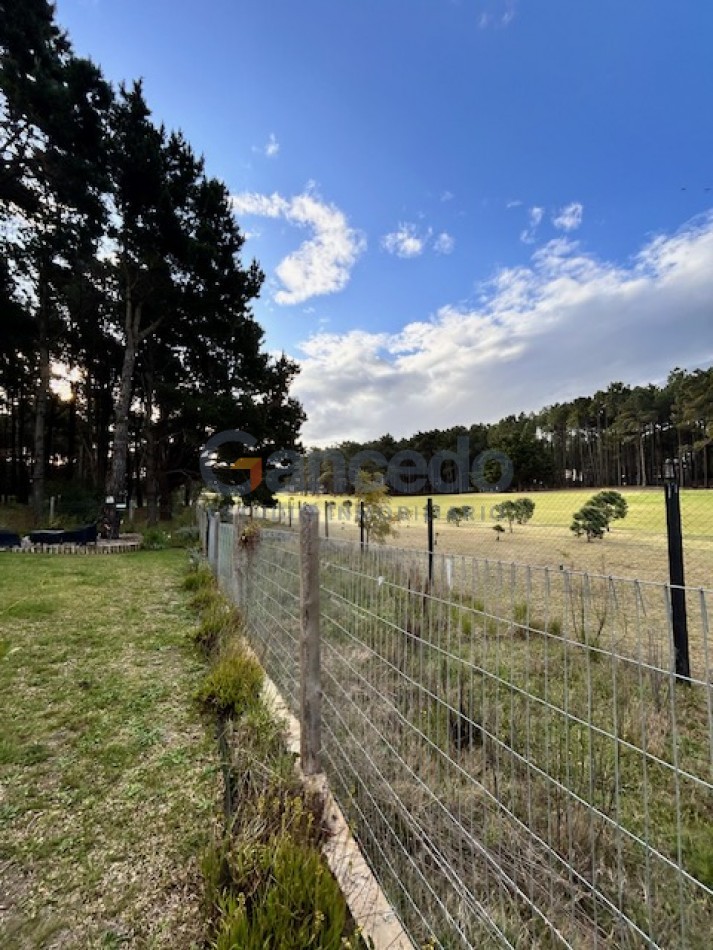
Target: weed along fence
[515, 748]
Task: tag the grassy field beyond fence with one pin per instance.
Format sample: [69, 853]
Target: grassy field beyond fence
[635, 547]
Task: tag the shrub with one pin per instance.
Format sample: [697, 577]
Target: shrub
[456, 515]
[590, 521]
[505, 511]
[520, 510]
[524, 510]
[204, 597]
[612, 503]
[155, 539]
[233, 685]
[216, 620]
[185, 537]
[286, 897]
[198, 579]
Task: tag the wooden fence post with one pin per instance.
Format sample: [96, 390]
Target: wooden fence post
[215, 539]
[310, 689]
[238, 553]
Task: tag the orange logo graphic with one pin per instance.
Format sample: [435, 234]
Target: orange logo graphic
[254, 466]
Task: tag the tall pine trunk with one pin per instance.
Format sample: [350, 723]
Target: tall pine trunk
[41, 402]
[116, 481]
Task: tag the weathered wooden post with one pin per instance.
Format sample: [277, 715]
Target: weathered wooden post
[214, 539]
[310, 688]
[238, 565]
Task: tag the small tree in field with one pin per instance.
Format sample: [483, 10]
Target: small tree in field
[590, 520]
[524, 510]
[378, 522]
[506, 511]
[612, 503]
[455, 515]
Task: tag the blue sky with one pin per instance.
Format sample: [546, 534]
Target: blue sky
[464, 208]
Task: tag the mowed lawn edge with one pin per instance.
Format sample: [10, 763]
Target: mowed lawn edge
[110, 784]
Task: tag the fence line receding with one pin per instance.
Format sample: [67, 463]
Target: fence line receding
[511, 745]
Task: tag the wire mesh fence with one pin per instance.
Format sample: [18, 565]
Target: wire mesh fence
[515, 753]
[470, 524]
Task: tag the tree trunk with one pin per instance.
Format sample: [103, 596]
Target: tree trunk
[166, 507]
[705, 466]
[116, 481]
[41, 401]
[72, 432]
[151, 474]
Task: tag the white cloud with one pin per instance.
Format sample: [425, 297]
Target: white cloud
[569, 218]
[447, 196]
[320, 265]
[270, 149]
[407, 241]
[515, 203]
[444, 243]
[404, 242]
[500, 17]
[565, 324]
[535, 215]
[507, 17]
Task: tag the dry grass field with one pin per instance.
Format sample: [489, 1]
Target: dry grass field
[634, 548]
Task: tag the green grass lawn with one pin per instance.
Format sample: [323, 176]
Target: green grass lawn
[109, 782]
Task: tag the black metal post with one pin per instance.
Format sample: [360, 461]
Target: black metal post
[429, 519]
[676, 580]
[326, 519]
[361, 524]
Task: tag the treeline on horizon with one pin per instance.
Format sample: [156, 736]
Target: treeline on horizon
[620, 436]
[120, 262]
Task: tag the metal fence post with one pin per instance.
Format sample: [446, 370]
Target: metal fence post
[429, 519]
[310, 687]
[676, 579]
[362, 524]
[326, 519]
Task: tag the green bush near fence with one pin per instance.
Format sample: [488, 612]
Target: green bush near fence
[233, 685]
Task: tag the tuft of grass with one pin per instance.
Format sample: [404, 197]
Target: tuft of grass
[205, 598]
[234, 683]
[284, 897]
[218, 620]
[155, 539]
[198, 579]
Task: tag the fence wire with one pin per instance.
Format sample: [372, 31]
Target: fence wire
[512, 748]
[470, 525]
